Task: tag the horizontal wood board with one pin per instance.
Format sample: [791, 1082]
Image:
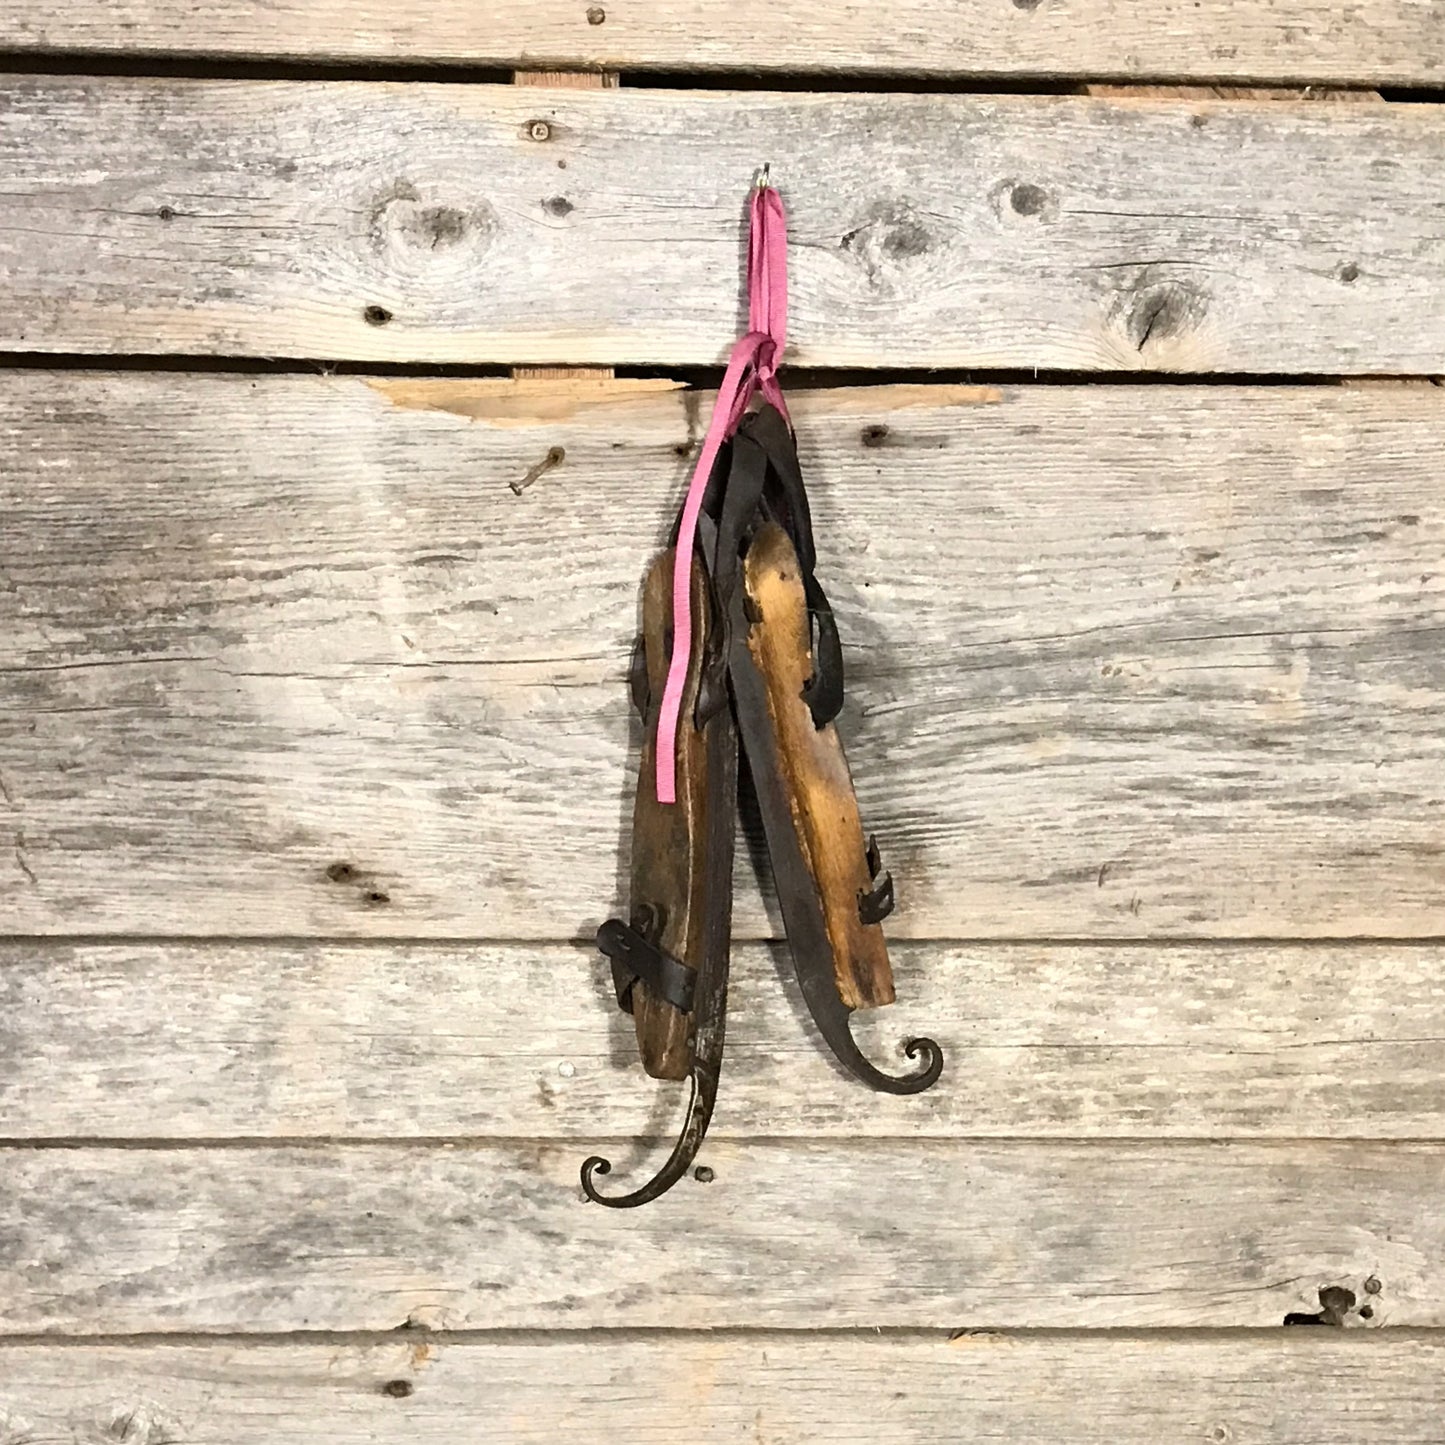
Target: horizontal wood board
[291, 656]
[151, 1041]
[1300, 1388]
[839, 1234]
[1372, 43]
[515, 225]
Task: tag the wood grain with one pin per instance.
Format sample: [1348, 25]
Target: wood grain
[536, 226]
[296, 656]
[290, 656]
[820, 803]
[859, 1234]
[355, 1041]
[565, 80]
[1376, 42]
[1291, 1388]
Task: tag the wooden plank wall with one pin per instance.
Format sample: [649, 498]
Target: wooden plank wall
[316, 756]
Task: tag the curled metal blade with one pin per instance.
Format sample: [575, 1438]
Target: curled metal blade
[689, 1141]
[831, 1015]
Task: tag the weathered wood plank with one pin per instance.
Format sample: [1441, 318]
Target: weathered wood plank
[145, 1041]
[291, 656]
[523, 226]
[1313, 1387]
[1378, 42]
[265, 1239]
[565, 80]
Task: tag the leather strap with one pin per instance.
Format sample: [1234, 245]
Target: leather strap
[769, 430]
[634, 956]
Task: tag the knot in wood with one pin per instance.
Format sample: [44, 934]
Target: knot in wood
[885, 240]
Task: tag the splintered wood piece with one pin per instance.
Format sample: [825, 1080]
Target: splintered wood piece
[669, 852]
[820, 787]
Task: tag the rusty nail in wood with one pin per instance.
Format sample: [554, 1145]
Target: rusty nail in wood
[554, 458]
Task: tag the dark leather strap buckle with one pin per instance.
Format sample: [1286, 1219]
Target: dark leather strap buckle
[635, 956]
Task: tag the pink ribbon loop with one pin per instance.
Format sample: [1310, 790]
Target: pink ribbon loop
[752, 368]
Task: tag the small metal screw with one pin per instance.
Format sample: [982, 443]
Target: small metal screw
[1373, 1285]
[703, 1174]
[596, 15]
[540, 130]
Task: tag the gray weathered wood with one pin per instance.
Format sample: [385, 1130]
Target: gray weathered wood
[1310, 1387]
[511, 225]
[146, 1041]
[1377, 42]
[796, 1235]
[290, 656]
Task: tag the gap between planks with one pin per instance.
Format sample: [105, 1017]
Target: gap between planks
[582, 1335]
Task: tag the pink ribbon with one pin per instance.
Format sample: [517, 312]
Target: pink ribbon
[752, 368]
